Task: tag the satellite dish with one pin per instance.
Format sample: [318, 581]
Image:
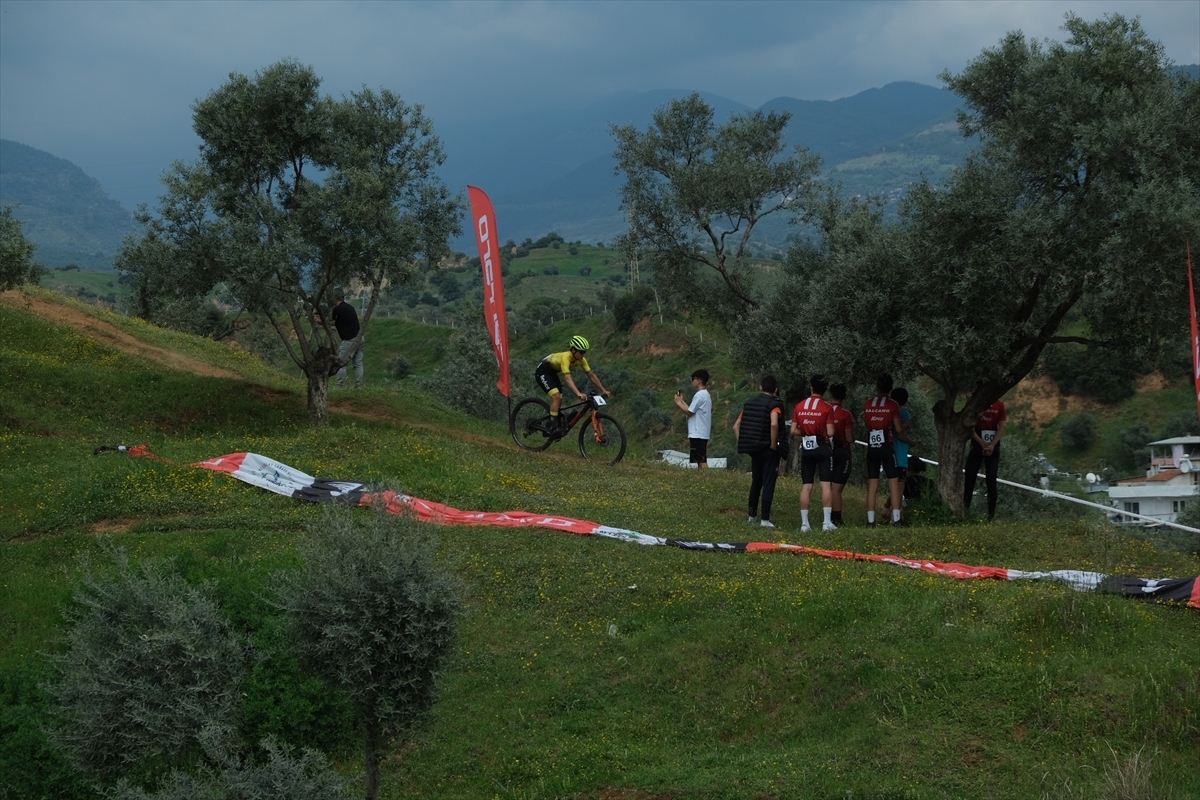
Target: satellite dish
[1091, 477]
[1185, 466]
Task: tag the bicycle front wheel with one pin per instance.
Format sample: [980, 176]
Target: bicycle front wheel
[601, 438]
[530, 424]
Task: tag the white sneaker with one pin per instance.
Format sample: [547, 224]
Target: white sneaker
[828, 526]
[805, 528]
[766, 523]
[751, 519]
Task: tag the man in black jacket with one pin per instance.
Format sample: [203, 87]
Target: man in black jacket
[345, 319]
[757, 430]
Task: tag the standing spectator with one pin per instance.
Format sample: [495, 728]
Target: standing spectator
[843, 437]
[882, 417]
[345, 319]
[985, 451]
[902, 442]
[812, 425]
[699, 417]
[757, 430]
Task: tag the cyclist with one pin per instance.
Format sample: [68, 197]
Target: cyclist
[553, 366]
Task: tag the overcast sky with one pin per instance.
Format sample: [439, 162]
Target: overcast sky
[109, 85]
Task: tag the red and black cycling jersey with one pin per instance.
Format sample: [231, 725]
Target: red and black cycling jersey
[879, 414]
[812, 417]
[843, 426]
[989, 421]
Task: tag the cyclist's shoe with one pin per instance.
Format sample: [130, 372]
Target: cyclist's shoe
[806, 528]
[828, 526]
[766, 523]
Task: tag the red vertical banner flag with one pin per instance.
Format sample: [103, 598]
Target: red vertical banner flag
[1195, 331]
[494, 312]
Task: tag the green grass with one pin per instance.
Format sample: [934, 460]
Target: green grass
[589, 667]
[84, 283]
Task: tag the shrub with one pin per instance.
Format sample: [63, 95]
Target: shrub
[470, 367]
[399, 367]
[1078, 431]
[151, 669]
[375, 618]
[629, 308]
[1181, 423]
[282, 777]
[1091, 372]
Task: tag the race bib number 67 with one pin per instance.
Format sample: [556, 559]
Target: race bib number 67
[808, 442]
[875, 438]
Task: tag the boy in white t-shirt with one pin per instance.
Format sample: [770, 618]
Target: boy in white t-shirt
[699, 417]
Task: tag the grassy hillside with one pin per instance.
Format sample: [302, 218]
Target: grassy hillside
[592, 668]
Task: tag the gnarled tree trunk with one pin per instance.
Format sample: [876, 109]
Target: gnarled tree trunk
[954, 431]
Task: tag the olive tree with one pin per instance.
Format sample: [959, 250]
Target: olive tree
[376, 618]
[296, 194]
[150, 673]
[16, 253]
[1068, 223]
[695, 191]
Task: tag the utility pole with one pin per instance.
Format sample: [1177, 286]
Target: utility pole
[631, 254]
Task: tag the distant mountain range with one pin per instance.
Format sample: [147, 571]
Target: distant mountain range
[556, 172]
[552, 170]
[62, 210]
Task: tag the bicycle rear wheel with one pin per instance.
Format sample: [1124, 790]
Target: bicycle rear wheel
[530, 424]
[604, 442]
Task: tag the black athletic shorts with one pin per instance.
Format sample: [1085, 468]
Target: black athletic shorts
[698, 451]
[884, 457]
[841, 466]
[818, 462]
[547, 378]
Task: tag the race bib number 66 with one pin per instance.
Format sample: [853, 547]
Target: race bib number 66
[875, 438]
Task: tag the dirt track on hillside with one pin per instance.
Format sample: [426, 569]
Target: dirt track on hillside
[96, 328]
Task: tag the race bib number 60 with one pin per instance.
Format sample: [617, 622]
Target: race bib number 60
[875, 438]
[987, 436]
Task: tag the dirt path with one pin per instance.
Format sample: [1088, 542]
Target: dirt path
[96, 328]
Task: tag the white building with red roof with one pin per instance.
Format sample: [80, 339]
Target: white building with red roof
[1171, 482]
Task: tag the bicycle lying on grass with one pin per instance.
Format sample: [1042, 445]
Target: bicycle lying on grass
[601, 438]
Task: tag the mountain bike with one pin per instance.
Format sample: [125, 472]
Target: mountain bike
[601, 437]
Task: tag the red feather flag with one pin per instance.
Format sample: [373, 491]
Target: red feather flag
[495, 314]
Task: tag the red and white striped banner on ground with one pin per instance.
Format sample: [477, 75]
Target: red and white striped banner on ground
[274, 476]
[494, 311]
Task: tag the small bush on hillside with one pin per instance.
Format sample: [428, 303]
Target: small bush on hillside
[1078, 431]
[1090, 372]
[376, 618]
[1134, 440]
[550, 270]
[466, 378]
[150, 673]
[1181, 423]
[399, 367]
[630, 308]
[282, 777]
